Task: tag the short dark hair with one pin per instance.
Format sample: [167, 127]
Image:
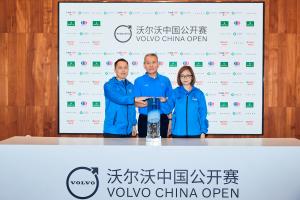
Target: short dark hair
[150, 54]
[183, 69]
[120, 60]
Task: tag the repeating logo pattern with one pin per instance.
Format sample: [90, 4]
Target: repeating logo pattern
[224, 47]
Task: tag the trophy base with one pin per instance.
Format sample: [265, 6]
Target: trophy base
[153, 141]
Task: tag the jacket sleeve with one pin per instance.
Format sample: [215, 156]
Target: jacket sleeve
[168, 94]
[203, 114]
[169, 90]
[171, 101]
[114, 96]
[137, 89]
[133, 115]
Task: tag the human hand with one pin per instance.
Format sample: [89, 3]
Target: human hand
[202, 136]
[141, 101]
[163, 99]
[169, 129]
[134, 131]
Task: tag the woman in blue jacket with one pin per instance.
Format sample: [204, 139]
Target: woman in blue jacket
[189, 104]
[120, 114]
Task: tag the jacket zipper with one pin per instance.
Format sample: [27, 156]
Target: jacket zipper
[126, 106]
[186, 114]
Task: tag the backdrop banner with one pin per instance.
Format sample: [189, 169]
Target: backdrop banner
[223, 42]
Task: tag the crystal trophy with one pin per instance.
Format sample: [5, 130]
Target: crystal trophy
[153, 122]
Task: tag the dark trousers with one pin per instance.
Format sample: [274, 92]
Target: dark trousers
[142, 125]
[109, 135]
[187, 136]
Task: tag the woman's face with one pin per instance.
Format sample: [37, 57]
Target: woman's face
[186, 77]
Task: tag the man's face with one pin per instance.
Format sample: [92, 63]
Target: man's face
[151, 64]
[121, 70]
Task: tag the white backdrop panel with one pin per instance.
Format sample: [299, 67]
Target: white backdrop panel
[223, 42]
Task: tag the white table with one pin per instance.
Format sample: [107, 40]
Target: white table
[45, 168]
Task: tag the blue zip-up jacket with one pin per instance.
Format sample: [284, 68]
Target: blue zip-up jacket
[190, 111]
[120, 114]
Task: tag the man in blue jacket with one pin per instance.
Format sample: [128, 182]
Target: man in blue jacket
[152, 84]
[120, 114]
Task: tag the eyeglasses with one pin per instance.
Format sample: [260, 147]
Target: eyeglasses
[186, 76]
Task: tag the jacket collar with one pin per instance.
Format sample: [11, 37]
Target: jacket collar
[149, 77]
[182, 89]
[115, 80]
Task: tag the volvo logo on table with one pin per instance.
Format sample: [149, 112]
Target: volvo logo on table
[83, 182]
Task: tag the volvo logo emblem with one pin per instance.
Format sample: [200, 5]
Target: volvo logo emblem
[123, 33]
[83, 182]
